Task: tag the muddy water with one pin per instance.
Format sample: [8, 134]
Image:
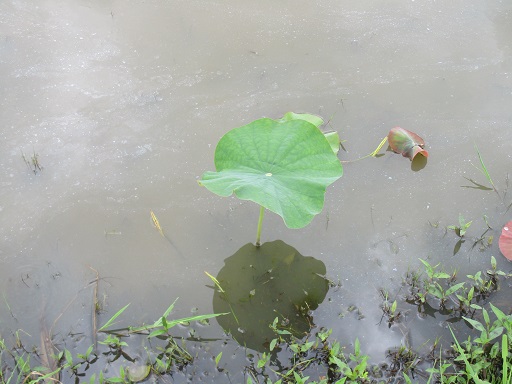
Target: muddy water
[123, 103]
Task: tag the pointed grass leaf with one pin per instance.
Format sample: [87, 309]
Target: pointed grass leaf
[406, 142]
[454, 288]
[505, 241]
[475, 324]
[282, 166]
[499, 313]
[217, 359]
[496, 332]
[484, 169]
[113, 318]
[469, 367]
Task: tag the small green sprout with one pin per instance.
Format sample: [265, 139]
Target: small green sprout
[461, 229]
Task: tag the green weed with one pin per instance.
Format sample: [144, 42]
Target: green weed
[484, 170]
[164, 356]
[460, 229]
[487, 358]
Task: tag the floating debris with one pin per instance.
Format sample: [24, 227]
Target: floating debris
[156, 223]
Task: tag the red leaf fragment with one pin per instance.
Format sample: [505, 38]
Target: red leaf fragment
[406, 142]
[505, 242]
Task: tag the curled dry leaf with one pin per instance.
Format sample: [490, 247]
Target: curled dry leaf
[406, 142]
[505, 241]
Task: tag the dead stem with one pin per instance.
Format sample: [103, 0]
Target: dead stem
[95, 305]
[47, 353]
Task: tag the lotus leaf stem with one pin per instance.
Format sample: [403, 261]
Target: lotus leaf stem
[260, 221]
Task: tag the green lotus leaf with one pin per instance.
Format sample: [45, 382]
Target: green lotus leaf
[331, 136]
[285, 166]
[317, 121]
[334, 140]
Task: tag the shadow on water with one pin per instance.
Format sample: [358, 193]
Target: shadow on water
[262, 283]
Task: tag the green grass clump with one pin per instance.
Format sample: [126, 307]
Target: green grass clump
[485, 359]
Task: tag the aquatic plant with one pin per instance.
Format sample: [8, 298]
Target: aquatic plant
[283, 165]
[484, 170]
[487, 358]
[439, 292]
[166, 354]
[327, 358]
[463, 226]
[312, 358]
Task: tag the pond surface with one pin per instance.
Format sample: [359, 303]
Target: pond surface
[123, 103]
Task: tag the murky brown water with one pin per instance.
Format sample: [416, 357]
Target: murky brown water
[124, 101]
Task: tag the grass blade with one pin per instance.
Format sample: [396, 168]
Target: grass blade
[469, 367]
[111, 320]
[484, 170]
[169, 310]
[172, 323]
[215, 281]
[504, 355]
[159, 322]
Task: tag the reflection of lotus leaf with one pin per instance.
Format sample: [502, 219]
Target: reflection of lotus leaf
[262, 283]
